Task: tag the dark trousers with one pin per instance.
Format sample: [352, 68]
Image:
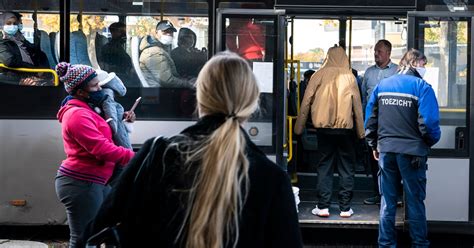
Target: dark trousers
[337, 150]
[82, 200]
[395, 167]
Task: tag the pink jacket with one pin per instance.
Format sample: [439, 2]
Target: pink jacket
[90, 150]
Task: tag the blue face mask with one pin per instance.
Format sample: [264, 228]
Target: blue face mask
[10, 29]
[97, 97]
[20, 27]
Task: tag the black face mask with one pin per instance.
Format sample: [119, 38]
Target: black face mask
[123, 39]
[96, 98]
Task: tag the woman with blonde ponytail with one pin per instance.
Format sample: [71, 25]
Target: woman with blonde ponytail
[210, 186]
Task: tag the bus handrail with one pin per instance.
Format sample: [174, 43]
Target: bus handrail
[36, 70]
[453, 110]
[290, 137]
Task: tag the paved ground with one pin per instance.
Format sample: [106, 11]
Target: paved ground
[323, 237]
[7, 243]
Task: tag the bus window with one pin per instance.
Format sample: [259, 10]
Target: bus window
[48, 28]
[23, 62]
[88, 37]
[157, 56]
[174, 98]
[447, 70]
[366, 33]
[309, 46]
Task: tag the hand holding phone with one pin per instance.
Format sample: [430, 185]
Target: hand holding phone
[129, 116]
[135, 104]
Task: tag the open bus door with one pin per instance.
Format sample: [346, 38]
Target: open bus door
[258, 35]
[446, 40]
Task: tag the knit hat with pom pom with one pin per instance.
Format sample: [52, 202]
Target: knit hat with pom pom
[74, 76]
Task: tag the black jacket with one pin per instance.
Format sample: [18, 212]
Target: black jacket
[114, 58]
[153, 214]
[188, 62]
[10, 55]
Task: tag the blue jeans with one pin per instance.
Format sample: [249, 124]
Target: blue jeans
[393, 168]
[82, 200]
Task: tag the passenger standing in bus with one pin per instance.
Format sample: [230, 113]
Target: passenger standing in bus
[187, 58]
[17, 52]
[334, 99]
[210, 186]
[115, 59]
[246, 38]
[402, 123]
[155, 60]
[383, 68]
[81, 182]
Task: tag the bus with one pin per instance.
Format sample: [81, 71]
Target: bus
[293, 37]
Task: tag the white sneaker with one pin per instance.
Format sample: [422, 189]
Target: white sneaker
[320, 212]
[346, 214]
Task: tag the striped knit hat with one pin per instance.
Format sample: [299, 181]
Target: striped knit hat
[74, 76]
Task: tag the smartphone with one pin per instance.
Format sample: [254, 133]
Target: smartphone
[135, 104]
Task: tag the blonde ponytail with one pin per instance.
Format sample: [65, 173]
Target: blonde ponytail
[227, 86]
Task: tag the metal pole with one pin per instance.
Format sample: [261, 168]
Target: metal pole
[64, 22]
[211, 35]
[350, 38]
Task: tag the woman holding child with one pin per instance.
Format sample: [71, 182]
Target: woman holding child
[83, 177]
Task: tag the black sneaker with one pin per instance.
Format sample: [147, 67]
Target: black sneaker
[372, 200]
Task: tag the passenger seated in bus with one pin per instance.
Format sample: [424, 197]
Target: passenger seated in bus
[246, 38]
[155, 60]
[188, 59]
[114, 58]
[113, 113]
[91, 155]
[334, 99]
[17, 52]
[209, 186]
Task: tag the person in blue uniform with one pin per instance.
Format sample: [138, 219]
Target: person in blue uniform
[402, 123]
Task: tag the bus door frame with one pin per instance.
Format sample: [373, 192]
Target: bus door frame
[413, 41]
[279, 74]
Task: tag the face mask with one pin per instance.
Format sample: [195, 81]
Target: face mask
[97, 97]
[166, 39]
[10, 29]
[421, 71]
[20, 27]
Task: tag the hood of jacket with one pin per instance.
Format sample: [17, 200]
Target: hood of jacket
[150, 42]
[332, 99]
[71, 103]
[336, 57]
[116, 85]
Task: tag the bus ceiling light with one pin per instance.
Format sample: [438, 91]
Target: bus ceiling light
[459, 8]
[456, 5]
[137, 3]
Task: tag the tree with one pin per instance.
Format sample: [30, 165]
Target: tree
[433, 32]
[313, 55]
[48, 22]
